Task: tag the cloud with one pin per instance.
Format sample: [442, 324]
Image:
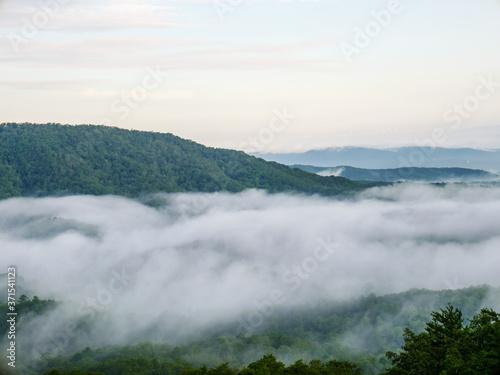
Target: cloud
[207, 258]
[154, 95]
[332, 172]
[102, 15]
[49, 85]
[78, 15]
[171, 53]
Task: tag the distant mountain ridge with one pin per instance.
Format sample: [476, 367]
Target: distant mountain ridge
[370, 158]
[54, 159]
[404, 174]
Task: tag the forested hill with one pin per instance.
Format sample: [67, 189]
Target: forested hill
[404, 174]
[53, 159]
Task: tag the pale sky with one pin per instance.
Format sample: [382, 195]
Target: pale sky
[267, 75]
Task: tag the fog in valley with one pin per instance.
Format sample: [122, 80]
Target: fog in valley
[167, 266]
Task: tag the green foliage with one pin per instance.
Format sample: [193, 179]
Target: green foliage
[268, 365]
[406, 173]
[25, 308]
[485, 336]
[360, 331]
[448, 347]
[55, 159]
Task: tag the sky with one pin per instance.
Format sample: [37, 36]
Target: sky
[258, 75]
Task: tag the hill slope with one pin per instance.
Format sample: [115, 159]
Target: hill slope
[403, 174]
[55, 159]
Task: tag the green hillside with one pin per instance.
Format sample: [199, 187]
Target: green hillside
[404, 174]
[53, 159]
[361, 330]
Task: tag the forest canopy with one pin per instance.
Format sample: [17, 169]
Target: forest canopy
[54, 159]
[449, 341]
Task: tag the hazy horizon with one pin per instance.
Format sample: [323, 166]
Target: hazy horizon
[293, 75]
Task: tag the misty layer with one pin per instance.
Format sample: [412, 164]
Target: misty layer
[196, 258]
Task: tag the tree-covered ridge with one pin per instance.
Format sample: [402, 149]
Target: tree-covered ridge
[447, 346]
[267, 365]
[404, 174]
[54, 159]
[360, 331]
[24, 307]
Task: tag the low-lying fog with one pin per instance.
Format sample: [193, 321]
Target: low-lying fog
[188, 254]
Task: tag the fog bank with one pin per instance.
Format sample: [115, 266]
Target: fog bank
[212, 256]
